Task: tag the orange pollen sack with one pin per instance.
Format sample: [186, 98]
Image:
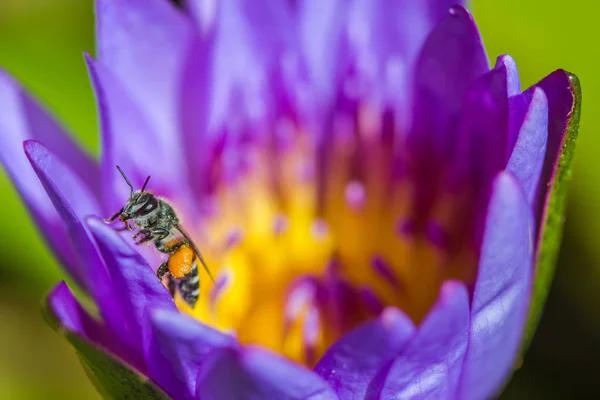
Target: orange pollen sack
[181, 261]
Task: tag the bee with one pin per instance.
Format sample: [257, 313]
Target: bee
[156, 221]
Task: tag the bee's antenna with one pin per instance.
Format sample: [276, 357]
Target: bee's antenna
[145, 183]
[127, 180]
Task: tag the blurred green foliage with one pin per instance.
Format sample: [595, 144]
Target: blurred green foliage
[41, 43]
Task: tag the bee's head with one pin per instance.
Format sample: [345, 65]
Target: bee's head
[140, 203]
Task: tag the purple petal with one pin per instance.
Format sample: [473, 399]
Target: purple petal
[450, 60]
[389, 34]
[254, 373]
[146, 50]
[57, 179]
[23, 119]
[320, 25]
[352, 362]
[527, 158]
[267, 22]
[231, 75]
[60, 184]
[512, 74]
[145, 44]
[179, 347]
[73, 187]
[502, 290]
[137, 290]
[483, 132]
[204, 14]
[430, 366]
[73, 317]
[250, 42]
[134, 142]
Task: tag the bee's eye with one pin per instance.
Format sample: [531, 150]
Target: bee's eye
[142, 198]
[149, 206]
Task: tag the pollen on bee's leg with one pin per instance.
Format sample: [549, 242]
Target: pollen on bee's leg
[311, 332]
[370, 300]
[222, 283]
[383, 270]
[355, 195]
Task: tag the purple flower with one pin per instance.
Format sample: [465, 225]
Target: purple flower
[369, 194]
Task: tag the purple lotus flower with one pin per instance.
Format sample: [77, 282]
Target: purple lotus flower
[368, 193]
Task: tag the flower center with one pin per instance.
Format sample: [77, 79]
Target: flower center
[307, 242]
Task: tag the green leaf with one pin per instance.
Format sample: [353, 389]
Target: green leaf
[552, 213]
[112, 377]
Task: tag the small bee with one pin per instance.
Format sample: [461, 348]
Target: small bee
[158, 223]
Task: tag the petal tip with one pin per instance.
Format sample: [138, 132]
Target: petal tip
[572, 77]
[390, 315]
[575, 84]
[451, 289]
[391, 318]
[35, 151]
[505, 178]
[506, 59]
[458, 10]
[32, 145]
[88, 58]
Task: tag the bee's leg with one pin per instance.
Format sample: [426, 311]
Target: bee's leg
[141, 232]
[162, 270]
[160, 233]
[146, 238]
[149, 236]
[115, 215]
[125, 227]
[172, 286]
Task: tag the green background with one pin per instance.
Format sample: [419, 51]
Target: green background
[41, 43]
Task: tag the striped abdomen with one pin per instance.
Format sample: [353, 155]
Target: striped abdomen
[189, 286]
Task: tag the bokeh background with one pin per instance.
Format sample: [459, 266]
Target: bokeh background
[41, 43]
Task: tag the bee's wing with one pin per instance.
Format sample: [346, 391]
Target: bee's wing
[185, 235]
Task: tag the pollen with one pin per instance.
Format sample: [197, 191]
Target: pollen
[180, 262]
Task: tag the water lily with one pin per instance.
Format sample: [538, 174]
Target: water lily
[373, 199]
